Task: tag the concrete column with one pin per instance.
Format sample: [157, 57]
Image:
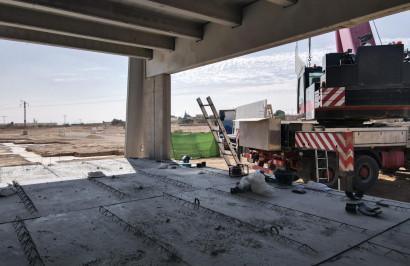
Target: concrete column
[134, 137]
[148, 133]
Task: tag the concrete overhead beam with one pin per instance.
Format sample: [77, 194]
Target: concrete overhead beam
[47, 22]
[18, 34]
[117, 14]
[284, 3]
[265, 26]
[209, 10]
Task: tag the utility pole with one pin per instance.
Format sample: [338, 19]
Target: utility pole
[4, 119]
[64, 118]
[25, 112]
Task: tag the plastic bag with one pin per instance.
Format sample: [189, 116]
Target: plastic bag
[317, 186]
[163, 166]
[259, 185]
[244, 184]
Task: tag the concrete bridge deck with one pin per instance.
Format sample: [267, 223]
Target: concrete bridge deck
[138, 214]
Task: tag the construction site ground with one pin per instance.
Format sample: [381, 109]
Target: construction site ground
[78, 143]
[129, 212]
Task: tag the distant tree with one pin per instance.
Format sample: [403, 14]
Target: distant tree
[186, 115]
[280, 114]
[186, 121]
[117, 122]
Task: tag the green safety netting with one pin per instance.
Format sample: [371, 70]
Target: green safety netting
[195, 145]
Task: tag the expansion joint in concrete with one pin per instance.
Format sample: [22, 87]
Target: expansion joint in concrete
[173, 254]
[279, 238]
[368, 240]
[290, 211]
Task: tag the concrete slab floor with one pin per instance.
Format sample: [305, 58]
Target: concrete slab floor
[137, 214]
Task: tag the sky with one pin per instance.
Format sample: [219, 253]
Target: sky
[91, 87]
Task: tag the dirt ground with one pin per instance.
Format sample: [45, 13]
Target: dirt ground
[84, 141]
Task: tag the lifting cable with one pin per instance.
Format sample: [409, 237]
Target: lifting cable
[310, 54]
[377, 33]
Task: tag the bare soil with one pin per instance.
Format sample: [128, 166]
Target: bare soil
[13, 160]
[79, 141]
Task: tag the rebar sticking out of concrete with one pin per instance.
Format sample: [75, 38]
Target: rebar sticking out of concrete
[404, 255]
[25, 199]
[165, 179]
[139, 233]
[284, 239]
[115, 192]
[24, 237]
[289, 211]
[343, 196]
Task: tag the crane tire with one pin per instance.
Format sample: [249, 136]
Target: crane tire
[366, 172]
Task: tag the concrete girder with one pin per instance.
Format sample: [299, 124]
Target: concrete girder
[284, 3]
[117, 14]
[18, 34]
[42, 21]
[265, 26]
[209, 10]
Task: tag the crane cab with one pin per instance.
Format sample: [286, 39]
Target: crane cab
[308, 83]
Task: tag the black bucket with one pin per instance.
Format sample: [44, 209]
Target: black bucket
[285, 177]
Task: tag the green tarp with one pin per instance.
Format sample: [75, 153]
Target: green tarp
[195, 145]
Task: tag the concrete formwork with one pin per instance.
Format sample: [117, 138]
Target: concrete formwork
[135, 213]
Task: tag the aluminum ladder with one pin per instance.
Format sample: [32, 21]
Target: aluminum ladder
[215, 132]
[317, 159]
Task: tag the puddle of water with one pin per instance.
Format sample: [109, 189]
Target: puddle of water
[20, 149]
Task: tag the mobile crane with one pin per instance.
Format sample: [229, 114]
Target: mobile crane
[335, 141]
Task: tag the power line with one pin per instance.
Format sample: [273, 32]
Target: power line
[50, 105]
[82, 98]
[4, 118]
[66, 104]
[65, 100]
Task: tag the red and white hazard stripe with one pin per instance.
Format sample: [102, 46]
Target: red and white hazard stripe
[332, 97]
[342, 142]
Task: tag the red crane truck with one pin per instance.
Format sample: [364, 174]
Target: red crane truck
[335, 141]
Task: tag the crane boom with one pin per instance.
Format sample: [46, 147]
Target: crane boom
[354, 37]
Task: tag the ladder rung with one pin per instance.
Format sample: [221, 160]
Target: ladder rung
[322, 168]
[206, 105]
[227, 154]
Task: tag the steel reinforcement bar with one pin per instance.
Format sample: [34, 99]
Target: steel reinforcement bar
[284, 239]
[165, 179]
[371, 244]
[25, 199]
[173, 255]
[115, 192]
[289, 211]
[24, 237]
[338, 195]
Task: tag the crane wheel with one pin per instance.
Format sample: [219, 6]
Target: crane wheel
[366, 172]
